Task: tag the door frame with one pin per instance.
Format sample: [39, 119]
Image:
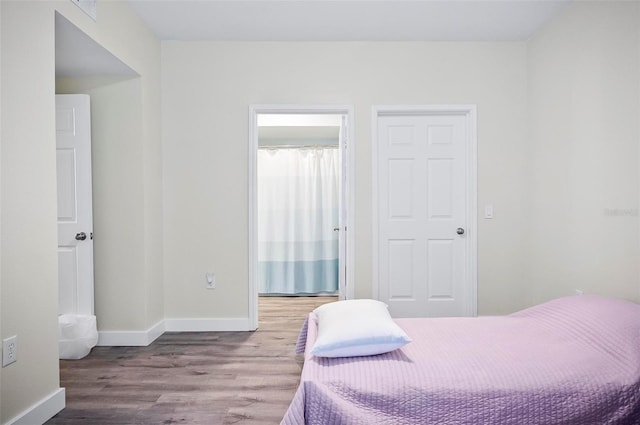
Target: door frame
[346, 292]
[469, 112]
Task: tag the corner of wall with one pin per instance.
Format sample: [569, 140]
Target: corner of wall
[584, 153]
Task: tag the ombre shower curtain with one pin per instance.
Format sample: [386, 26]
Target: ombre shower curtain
[298, 192]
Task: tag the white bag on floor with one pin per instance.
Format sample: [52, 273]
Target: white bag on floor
[78, 334]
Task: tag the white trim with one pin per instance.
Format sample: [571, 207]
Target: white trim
[375, 284]
[131, 338]
[254, 110]
[208, 325]
[470, 112]
[42, 411]
[472, 208]
[252, 225]
[144, 338]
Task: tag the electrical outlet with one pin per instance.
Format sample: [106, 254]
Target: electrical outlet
[579, 292]
[9, 350]
[211, 280]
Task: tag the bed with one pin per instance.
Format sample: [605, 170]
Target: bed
[573, 360]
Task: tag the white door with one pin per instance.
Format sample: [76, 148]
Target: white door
[423, 243]
[75, 219]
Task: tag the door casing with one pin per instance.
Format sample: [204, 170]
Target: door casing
[346, 292]
[470, 114]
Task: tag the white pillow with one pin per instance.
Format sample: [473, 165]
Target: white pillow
[356, 328]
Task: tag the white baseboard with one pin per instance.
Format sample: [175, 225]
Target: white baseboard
[42, 411]
[207, 325]
[131, 338]
[144, 338]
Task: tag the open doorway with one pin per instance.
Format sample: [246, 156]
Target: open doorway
[299, 204]
[94, 100]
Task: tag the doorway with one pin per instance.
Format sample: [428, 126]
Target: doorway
[425, 225]
[299, 201]
[105, 122]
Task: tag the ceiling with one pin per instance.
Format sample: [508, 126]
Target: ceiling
[310, 20]
[346, 20]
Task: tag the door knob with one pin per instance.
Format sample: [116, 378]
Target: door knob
[336, 229]
[81, 236]
[460, 231]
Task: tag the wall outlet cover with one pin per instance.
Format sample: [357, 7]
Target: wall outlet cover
[9, 350]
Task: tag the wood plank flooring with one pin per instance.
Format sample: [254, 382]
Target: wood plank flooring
[212, 378]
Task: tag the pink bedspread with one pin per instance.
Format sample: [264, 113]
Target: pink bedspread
[573, 360]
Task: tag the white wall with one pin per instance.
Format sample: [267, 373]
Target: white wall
[29, 264]
[206, 90]
[28, 261]
[584, 93]
[558, 151]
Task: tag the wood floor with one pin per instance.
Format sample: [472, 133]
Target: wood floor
[193, 378]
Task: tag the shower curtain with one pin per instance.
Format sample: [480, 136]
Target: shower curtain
[298, 192]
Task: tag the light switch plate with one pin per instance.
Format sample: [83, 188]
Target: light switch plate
[488, 211]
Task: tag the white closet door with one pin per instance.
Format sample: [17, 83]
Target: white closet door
[422, 215]
[75, 216]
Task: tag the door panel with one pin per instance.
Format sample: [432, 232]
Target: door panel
[400, 188]
[422, 201]
[440, 187]
[440, 269]
[401, 254]
[68, 283]
[66, 176]
[73, 155]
